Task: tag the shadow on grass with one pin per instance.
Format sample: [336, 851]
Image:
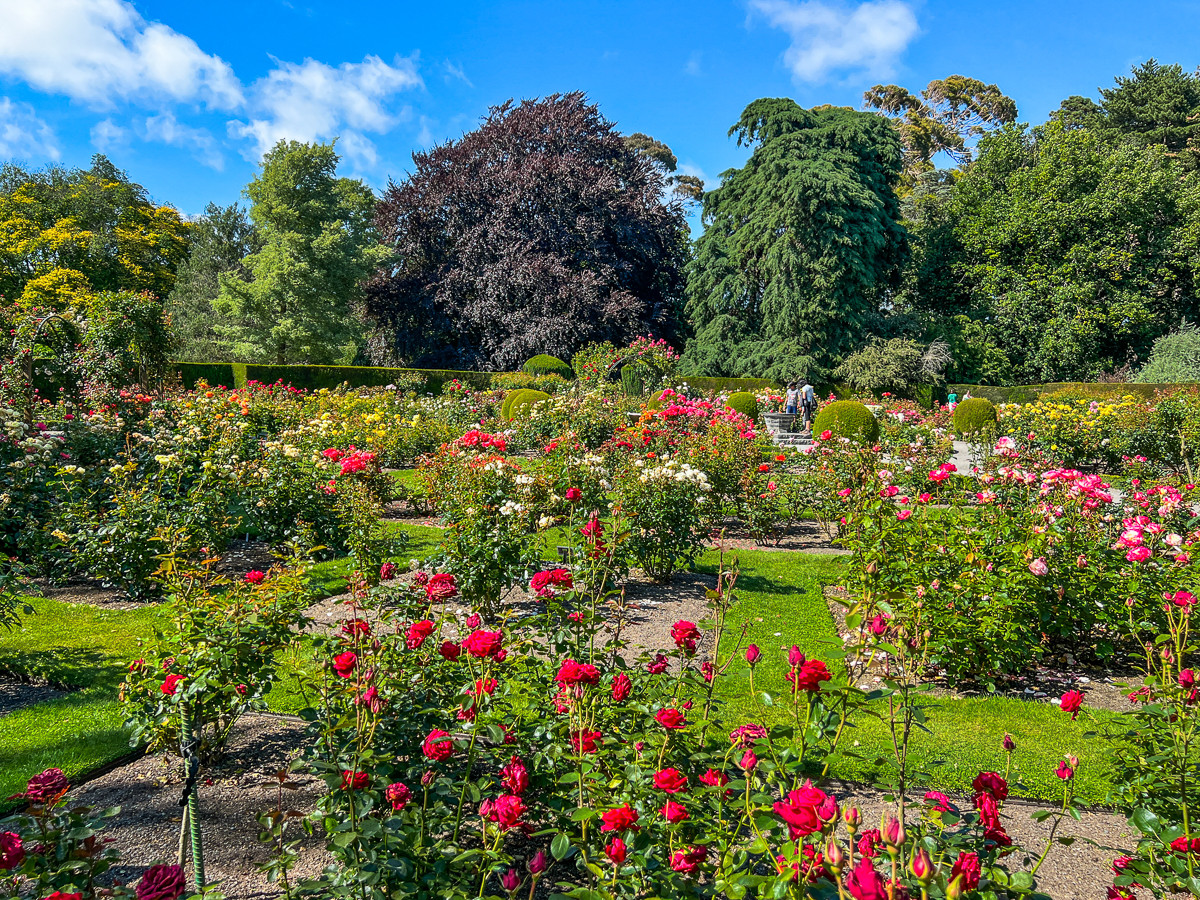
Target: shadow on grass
[65, 667]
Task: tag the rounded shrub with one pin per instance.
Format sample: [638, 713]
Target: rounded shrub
[656, 400]
[744, 402]
[848, 419]
[974, 416]
[522, 401]
[544, 364]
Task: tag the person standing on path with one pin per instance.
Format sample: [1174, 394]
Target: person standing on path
[791, 399]
[808, 401]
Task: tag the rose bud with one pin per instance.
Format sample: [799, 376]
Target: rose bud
[752, 654]
[538, 864]
[1009, 744]
[893, 832]
[510, 880]
[852, 817]
[834, 856]
[922, 866]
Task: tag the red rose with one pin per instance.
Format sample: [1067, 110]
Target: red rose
[508, 810]
[671, 719]
[354, 781]
[572, 673]
[752, 654]
[161, 883]
[621, 687]
[938, 801]
[449, 650]
[12, 851]
[688, 861]
[387, 571]
[800, 811]
[574, 494]
[966, 867]
[438, 745]
[344, 663]
[59, 895]
[255, 577]
[991, 783]
[440, 588]
[484, 686]
[46, 787]
[356, 628]
[864, 883]
[482, 644]
[674, 812]
[615, 851]
[514, 776]
[584, 741]
[809, 675]
[1071, 702]
[417, 633]
[685, 635]
[548, 583]
[713, 778]
[868, 844]
[398, 795]
[622, 818]
[670, 780]
[658, 665]
[171, 684]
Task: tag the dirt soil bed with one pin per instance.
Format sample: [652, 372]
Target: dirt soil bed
[806, 536]
[16, 695]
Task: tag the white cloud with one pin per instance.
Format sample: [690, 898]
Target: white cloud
[108, 135]
[312, 100]
[96, 51]
[456, 72]
[23, 135]
[169, 130]
[867, 37]
[693, 65]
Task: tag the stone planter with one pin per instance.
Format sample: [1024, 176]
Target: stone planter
[779, 423]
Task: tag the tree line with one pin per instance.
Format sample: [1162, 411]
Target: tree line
[860, 244]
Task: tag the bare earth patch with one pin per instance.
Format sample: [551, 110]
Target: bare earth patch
[16, 695]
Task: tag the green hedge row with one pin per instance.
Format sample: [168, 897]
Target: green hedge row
[316, 377]
[1031, 393]
[703, 385]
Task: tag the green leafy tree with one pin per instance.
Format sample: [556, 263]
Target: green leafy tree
[685, 187]
[1156, 104]
[318, 245]
[946, 118]
[802, 245]
[1175, 358]
[898, 365]
[221, 240]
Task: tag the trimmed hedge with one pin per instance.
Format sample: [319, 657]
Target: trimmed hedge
[544, 364]
[213, 374]
[1031, 393]
[517, 402]
[316, 377]
[848, 419]
[703, 385]
[745, 403]
[974, 415]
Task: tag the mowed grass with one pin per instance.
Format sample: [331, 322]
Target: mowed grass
[780, 596]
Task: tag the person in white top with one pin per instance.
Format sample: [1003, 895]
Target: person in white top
[791, 399]
[808, 402]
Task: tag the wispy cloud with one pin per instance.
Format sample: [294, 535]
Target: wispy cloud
[23, 135]
[693, 65]
[107, 136]
[166, 129]
[454, 72]
[98, 51]
[830, 36]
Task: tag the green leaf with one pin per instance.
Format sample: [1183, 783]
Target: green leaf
[560, 847]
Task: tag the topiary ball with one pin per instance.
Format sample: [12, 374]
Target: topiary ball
[544, 364]
[744, 402]
[974, 416]
[848, 419]
[656, 400]
[524, 401]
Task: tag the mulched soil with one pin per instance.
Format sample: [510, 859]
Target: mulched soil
[808, 537]
[16, 695]
[232, 795]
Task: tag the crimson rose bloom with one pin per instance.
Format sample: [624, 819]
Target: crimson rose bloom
[622, 818]
[449, 650]
[344, 664]
[688, 861]
[12, 851]
[685, 634]
[574, 494]
[1071, 702]
[864, 883]
[398, 795]
[171, 684]
[621, 687]
[674, 812]
[387, 571]
[809, 675]
[508, 810]
[991, 783]
[615, 851]
[354, 781]
[355, 627]
[59, 895]
[799, 812]
[46, 787]
[545, 584]
[438, 745]
[515, 776]
[441, 587]
[670, 780]
[161, 883]
[967, 866]
[584, 741]
[571, 673]
[670, 719]
[658, 665]
[939, 801]
[752, 654]
[417, 632]
[482, 644]
[713, 778]
[255, 577]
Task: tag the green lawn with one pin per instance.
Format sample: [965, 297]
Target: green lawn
[780, 595]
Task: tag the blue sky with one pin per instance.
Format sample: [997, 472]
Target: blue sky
[185, 95]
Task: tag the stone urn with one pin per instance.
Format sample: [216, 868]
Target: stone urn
[779, 422]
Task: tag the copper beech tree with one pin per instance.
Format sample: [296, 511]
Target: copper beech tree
[539, 232]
